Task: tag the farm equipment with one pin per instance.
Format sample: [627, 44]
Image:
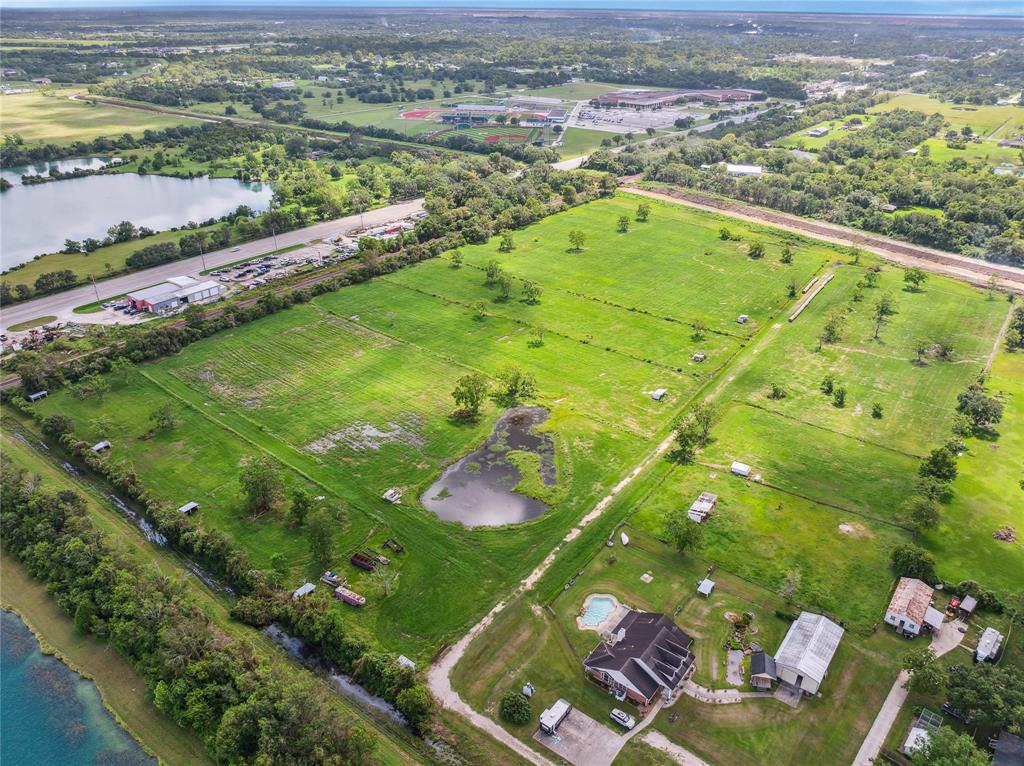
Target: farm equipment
[394, 545]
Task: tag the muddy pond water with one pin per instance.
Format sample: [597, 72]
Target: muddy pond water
[479, 490]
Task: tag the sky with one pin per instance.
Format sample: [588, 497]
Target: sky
[882, 7]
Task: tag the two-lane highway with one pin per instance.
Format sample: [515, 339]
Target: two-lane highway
[62, 305]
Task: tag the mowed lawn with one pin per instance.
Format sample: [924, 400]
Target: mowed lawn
[40, 118]
[543, 645]
[800, 140]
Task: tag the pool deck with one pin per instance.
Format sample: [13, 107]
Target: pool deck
[614, 616]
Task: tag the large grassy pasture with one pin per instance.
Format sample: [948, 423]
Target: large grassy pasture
[987, 121]
[800, 140]
[302, 385]
[53, 118]
[311, 387]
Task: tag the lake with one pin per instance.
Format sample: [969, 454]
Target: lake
[51, 715]
[37, 219]
[14, 174]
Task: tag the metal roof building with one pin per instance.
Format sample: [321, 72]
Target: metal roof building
[804, 656]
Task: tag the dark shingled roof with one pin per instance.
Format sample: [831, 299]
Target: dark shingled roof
[1009, 750]
[762, 664]
[651, 641]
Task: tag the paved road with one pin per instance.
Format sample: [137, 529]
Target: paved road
[948, 638]
[62, 305]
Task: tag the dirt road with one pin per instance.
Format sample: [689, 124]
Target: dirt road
[957, 266]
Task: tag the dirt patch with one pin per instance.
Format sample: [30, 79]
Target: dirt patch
[854, 529]
[732, 617]
[365, 436]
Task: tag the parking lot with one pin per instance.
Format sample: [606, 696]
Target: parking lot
[583, 741]
[629, 120]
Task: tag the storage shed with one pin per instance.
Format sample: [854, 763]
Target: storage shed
[807, 650]
[102, 446]
[702, 506]
[658, 394]
[303, 590]
[762, 670]
[705, 586]
[740, 469]
[188, 508]
[38, 395]
[988, 645]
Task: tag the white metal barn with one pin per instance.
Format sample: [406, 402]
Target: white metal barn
[805, 653]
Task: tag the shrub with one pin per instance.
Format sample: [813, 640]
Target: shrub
[515, 707]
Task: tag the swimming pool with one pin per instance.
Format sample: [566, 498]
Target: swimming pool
[597, 610]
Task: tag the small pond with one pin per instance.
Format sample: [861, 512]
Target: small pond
[479, 490]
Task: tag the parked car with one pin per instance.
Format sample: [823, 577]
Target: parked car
[623, 719]
[951, 711]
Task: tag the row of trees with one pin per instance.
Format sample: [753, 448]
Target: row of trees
[245, 710]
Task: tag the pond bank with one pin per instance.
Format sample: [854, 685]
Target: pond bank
[121, 691]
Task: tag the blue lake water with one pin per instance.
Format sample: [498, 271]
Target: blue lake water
[37, 219]
[51, 715]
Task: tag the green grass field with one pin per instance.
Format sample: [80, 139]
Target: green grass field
[53, 118]
[987, 121]
[800, 140]
[989, 150]
[618, 321]
[389, 352]
[581, 141]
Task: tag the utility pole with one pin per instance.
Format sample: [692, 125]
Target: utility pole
[94, 287]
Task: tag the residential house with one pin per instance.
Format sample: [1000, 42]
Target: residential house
[644, 655]
[806, 652]
[910, 610]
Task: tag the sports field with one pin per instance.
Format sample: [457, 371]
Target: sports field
[493, 134]
[40, 118]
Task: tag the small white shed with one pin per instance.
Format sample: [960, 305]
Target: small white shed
[988, 645]
[740, 469]
[658, 394]
[303, 590]
[705, 586]
[190, 507]
[100, 446]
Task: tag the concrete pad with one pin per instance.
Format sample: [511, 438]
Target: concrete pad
[734, 667]
[582, 741]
